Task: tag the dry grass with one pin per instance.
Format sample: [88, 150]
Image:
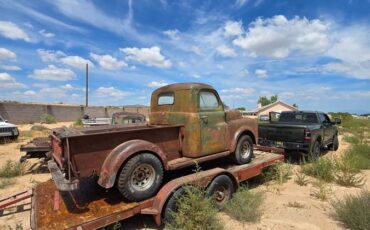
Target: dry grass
[321, 190]
[12, 169]
[295, 204]
[6, 182]
[301, 179]
[245, 206]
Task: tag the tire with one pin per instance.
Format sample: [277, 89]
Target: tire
[171, 205]
[244, 150]
[220, 190]
[140, 177]
[315, 150]
[335, 145]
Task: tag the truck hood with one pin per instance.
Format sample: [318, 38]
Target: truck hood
[7, 125]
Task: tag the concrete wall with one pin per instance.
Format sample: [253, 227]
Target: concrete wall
[20, 113]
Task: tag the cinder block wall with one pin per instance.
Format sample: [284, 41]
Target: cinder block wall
[21, 113]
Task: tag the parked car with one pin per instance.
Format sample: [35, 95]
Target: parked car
[119, 118]
[188, 125]
[8, 130]
[303, 131]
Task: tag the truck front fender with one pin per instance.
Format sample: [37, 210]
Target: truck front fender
[121, 154]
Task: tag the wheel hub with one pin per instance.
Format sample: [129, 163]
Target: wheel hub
[142, 177]
[246, 149]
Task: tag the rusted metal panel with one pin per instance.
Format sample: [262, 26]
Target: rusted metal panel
[89, 208]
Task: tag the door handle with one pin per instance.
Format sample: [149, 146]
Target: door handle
[204, 118]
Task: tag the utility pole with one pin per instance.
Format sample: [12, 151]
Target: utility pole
[87, 85]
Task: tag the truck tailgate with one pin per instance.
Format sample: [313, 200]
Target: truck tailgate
[281, 132]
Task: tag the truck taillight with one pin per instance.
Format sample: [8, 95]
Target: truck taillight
[307, 135]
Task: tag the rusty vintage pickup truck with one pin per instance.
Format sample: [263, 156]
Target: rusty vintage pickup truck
[188, 124]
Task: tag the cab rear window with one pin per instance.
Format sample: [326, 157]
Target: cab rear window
[166, 99]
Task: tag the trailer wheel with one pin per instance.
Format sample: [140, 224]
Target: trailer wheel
[335, 145]
[244, 150]
[140, 177]
[171, 205]
[220, 190]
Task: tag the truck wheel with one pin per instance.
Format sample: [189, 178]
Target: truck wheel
[171, 205]
[335, 145]
[140, 177]
[316, 150]
[220, 190]
[244, 150]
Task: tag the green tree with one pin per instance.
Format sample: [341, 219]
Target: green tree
[295, 105]
[266, 101]
[241, 108]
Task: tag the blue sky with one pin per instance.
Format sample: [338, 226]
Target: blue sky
[312, 53]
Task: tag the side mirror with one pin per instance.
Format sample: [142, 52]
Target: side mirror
[6, 121]
[338, 121]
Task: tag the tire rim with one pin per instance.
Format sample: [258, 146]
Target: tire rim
[246, 149]
[221, 195]
[142, 177]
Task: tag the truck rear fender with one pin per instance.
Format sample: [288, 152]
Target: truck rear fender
[118, 156]
[238, 134]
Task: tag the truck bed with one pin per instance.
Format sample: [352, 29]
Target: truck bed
[93, 207]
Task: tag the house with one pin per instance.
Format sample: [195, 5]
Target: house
[264, 111]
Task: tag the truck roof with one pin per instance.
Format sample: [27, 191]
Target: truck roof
[182, 86]
[303, 111]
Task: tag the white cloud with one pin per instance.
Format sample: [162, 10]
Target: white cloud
[67, 87]
[12, 31]
[10, 67]
[226, 51]
[261, 73]
[111, 92]
[239, 91]
[46, 34]
[29, 93]
[50, 55]
[7, 54]
[149, 56]
[240, 3]
[197, 50]
[352, 49]
[108, 62]
[233, 28]
[157, 84]
[277, 36]
[53, 73]
[173, 34]
[76, 61]
[8, 82]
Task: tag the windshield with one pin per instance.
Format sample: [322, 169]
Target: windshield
[298, 117]
[1, 119]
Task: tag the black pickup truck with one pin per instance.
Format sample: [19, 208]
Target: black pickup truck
[300, 131]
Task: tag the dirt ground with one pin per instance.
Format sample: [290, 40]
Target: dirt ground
[314, 214]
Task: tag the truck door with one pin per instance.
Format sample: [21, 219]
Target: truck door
[212, 122]
[328, 128]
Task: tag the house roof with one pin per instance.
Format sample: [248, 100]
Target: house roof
[257, 110]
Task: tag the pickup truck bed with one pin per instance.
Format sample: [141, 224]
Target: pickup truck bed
[93, 207]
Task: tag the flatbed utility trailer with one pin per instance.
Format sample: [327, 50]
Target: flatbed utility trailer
[93, 207]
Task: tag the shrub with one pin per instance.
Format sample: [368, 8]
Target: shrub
[351, 139]
[280, 172]
[195, 211]
[245, 205]
[6, 183]
[48, 119]
[301, 179]
[321, 190]
[354, 211]
[78, 122]
[295, 204]
[12, 169]
[360, 155]
[323, 169]
[347, 173]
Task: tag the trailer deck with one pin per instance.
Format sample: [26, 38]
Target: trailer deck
[94, 207]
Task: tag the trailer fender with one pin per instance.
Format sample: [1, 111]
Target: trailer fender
[241, 131]
[122, 153]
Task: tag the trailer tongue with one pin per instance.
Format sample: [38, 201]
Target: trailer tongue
[93, 207]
